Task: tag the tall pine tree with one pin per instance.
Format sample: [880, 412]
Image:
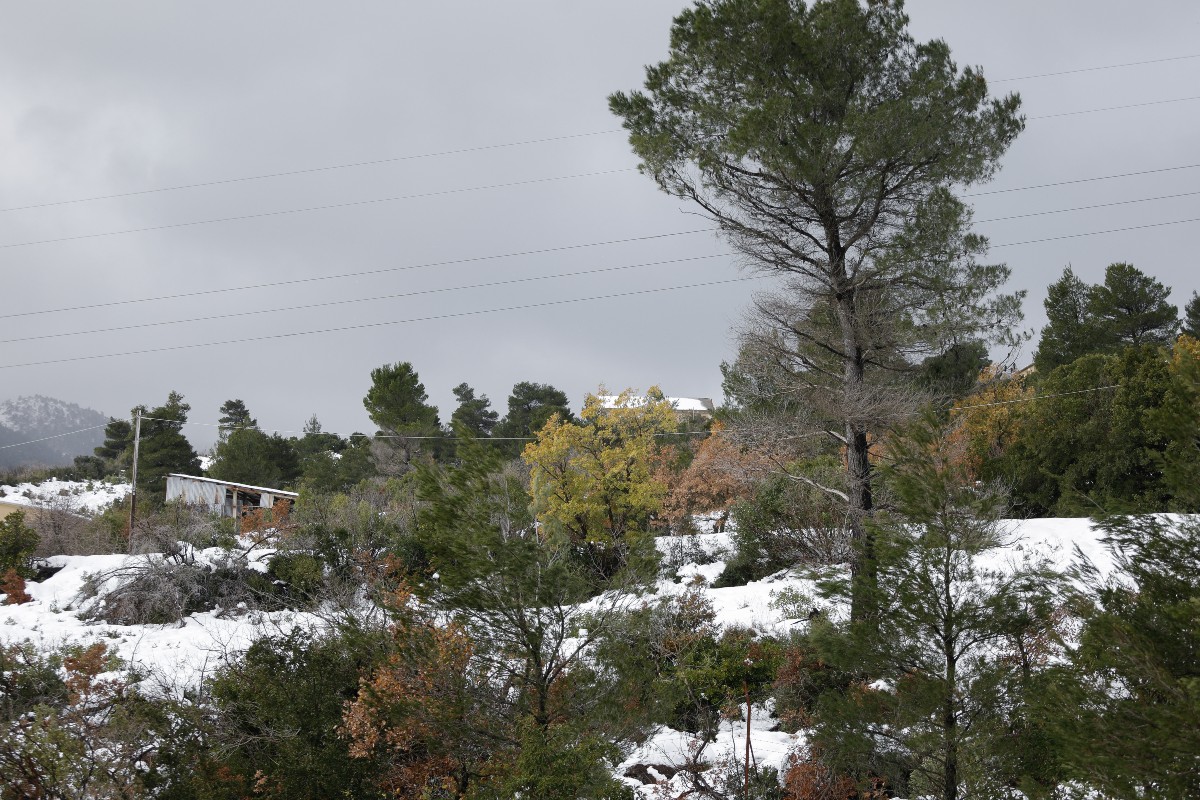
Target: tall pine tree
[1132, 309]
[1072, 331]
[164, 449]
[396, 402]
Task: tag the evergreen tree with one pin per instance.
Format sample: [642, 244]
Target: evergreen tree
[826, 143]
[164, 449]
[956, 371]
[1128, 309]
[247, 455]
[234, 416]
[945, 662]
[1177, 422]
[118, 443]
[519, 598]
[1133, 710]
[474, 414]
[1072, 331]
[276, 718]
[396, 402]
[530, 406]
[356, 463]
[17, 544]
[315, 440]
[1132, 309]
[1191, 317]
[1090, 444]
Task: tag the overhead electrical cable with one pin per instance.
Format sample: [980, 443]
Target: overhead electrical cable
[416, 293]
[339, 276]
[259, 312]
[1088, 208]
[55, 436]
[530, 305]
[451, 437]
[1094, 69]
[1100, 233]
[361, 274]
[540, 251]
[310, 170]
[328, 207]
[448, 437]
[484, 147]
[511, 184]
[368, 325]
[1117, 108]
[1035, 397]
[1084, 180]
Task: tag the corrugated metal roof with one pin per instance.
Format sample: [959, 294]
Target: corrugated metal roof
[231, 484]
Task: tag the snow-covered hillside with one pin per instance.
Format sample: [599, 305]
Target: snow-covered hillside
[26, 419]
[179, 656]
[84, 497]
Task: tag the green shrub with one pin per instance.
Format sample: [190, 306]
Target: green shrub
[303, 573]
[278, 710]
[787, 523]
[28, 679]
[17, 543]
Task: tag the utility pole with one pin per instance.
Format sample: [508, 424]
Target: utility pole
[746, 689]
[137, 441]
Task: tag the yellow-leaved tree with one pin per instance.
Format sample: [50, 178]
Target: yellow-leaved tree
[593, 482]
[986, 423]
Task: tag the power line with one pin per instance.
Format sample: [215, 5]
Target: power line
[512, 184]
[477, 148]
[328, 207]
[310, 170]
[1083, 180]
[55, 436]
[260, 312]
[339, 276]
[362, 274]
[444, 438]
[1094, 69]
[1099, 233]
[731, 431]
[364, 326]
[1035, 397]
[1116, 108]
[1089, 208]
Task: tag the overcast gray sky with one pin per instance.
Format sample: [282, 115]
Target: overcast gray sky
[109, 98]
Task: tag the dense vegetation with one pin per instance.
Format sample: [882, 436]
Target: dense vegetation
[485, 585]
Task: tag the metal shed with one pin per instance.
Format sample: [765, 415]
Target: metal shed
[223, 497]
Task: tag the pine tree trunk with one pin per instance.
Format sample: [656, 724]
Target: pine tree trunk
[858, 463]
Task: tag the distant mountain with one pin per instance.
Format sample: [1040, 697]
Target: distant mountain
[38, 417]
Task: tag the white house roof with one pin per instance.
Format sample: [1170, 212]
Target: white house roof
[678, 403]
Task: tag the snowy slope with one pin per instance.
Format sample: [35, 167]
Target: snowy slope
[181, 655]
[84, 497]
[36, 417]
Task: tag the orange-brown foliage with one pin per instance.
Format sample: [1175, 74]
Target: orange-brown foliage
[807, 778]
[409, 709]
[721, 473]
[13, 587]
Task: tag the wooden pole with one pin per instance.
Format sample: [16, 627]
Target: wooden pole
[137, 441]
[746, 689]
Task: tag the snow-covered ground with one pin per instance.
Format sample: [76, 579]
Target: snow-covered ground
[79, 496]
[170, 657]
[181, 655]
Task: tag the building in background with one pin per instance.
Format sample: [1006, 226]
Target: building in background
[223, 497]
